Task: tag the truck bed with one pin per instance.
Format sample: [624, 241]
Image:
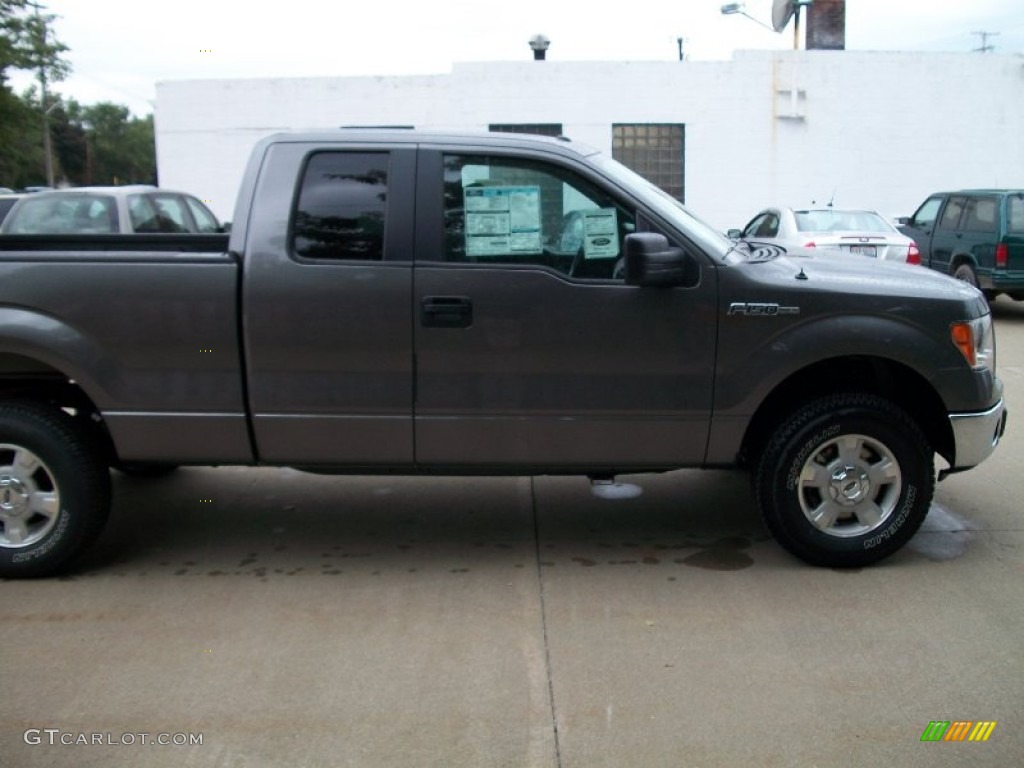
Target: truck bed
[157, 350]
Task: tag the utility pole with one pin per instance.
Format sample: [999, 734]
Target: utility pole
[47, 139]
[985, 47]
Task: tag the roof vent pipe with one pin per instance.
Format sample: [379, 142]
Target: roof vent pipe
[540, 45]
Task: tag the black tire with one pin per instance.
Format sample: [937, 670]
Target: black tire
[965, 272]
[845, 481]
[54, 490]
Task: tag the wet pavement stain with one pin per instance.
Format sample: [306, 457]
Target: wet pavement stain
[719, 560]
[585, 562]
[725, 554]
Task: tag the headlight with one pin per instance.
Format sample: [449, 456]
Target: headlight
[976, 341]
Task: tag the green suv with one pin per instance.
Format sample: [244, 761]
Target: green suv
[976, 235]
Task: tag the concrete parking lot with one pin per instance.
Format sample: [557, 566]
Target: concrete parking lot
[286, 619]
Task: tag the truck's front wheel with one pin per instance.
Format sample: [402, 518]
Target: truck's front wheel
[845, 481]
[54, 490]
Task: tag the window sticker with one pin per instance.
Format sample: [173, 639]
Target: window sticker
[600, 233]
[502, 220]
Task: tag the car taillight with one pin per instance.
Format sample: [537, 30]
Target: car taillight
[913, 253]
[810, 245]
[1002, 255]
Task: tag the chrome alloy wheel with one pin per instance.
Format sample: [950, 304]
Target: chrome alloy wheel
[850, 486]
[29, 499]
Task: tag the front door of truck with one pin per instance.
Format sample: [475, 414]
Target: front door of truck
[531, 350]
[327, 322]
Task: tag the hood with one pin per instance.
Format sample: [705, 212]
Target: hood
[809, 269]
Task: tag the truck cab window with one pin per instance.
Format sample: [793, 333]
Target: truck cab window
[341, 207]
[500, 210]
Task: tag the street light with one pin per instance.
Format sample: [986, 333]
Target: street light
[730, 9]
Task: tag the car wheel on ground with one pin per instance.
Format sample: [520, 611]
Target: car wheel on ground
[54, 490]
[845, 481]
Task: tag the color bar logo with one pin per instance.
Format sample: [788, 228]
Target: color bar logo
[958, 730]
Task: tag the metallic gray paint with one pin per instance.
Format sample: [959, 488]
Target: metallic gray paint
[138, 337]
[553, 374]
[565, 372]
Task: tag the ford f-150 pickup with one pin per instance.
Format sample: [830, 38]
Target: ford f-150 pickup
[408, 302]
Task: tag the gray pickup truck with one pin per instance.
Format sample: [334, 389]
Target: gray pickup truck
[407, 302]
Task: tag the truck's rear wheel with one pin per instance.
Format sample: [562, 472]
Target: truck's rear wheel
[845, 481]
[54, 490]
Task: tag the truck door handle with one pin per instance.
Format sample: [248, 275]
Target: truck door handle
[446, 312]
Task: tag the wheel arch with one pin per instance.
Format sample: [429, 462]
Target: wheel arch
[25, 378]
[895, 381]
[961, 258]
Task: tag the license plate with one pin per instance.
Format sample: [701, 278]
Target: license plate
[863, 250]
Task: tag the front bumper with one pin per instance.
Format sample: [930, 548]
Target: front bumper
[976, 436]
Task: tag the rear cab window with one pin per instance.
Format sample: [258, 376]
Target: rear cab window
[340, 208]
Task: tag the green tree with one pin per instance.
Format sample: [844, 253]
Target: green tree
[12, 34]
[27, 43]
[121, 150]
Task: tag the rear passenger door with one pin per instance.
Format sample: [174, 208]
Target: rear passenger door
[979, 235]
[327, 320]
[532, 353]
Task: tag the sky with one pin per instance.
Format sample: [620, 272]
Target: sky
[119, 49]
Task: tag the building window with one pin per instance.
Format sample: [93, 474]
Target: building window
[540, 129]
[655, 151]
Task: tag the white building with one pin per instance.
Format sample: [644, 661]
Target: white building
[878, 130]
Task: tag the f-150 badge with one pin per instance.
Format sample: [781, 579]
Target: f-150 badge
[760, 310]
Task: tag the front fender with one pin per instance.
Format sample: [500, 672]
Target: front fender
[756, 358]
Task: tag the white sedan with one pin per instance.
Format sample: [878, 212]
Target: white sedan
[854, 232]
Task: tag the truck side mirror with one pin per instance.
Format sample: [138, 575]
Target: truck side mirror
[650, 261]
[903, 220]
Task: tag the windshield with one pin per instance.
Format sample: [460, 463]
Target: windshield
[706, 236]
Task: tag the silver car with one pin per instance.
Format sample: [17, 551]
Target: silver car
[853, 232]
[109, 210]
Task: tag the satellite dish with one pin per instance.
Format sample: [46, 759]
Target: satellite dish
[782, 12]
